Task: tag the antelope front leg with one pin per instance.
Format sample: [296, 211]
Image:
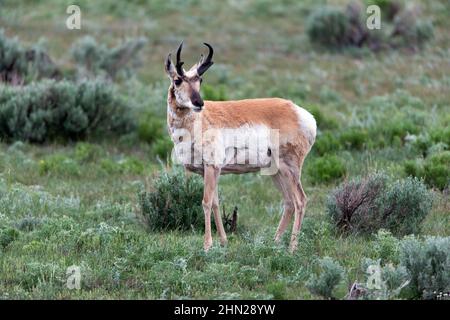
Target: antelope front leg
[218, 219]
[211, 175]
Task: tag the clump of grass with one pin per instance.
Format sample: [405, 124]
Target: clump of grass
[162, 148]
[435, 169]
[214, 93]
[326, 143]
[324, 122]
[7, 236]
[86, 152]
[326, 169]
[126, 165]
[150, 127]
[354, 138]
[59, 164]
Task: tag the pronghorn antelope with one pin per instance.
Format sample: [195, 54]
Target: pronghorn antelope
[208, 138]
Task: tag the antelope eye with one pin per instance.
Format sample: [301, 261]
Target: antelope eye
[178, 82]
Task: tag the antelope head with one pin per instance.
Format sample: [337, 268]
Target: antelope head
[186, 84]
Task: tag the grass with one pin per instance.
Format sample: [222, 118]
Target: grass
[69, 208]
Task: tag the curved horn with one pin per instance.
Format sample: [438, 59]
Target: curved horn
[179, 64]
[207, 63]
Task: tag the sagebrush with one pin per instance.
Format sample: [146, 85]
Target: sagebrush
[175, 203]
[51, 110]
[364, 205]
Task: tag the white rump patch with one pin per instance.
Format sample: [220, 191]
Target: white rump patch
[307, 123]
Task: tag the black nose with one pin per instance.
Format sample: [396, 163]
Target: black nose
[197, 101]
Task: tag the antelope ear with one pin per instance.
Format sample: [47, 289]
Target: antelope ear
[170, 68]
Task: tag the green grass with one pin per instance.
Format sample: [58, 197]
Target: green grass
[77, 204]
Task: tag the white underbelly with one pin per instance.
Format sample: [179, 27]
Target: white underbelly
[246, 147]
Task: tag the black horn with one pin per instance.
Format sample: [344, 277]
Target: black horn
[207, 63]
[179, 64]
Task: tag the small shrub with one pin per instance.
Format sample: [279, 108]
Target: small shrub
[386, 247]
[326, 169]
[132, 165]
[324, 122]
[95, 59]
[354, 138]
[424, 31]
[85, 152]
[150, 128]
[214, 93]
[351, 205]
[428, 265]
[277, 290]
[369, 204]
[328, 95]
[328, 27]
[410, 31]
[60, 165]
[435, 169]
[18, 64]
[398, 129]
[128, 165]
[110, 166]
[425, 143]
[13, 64]
[7, 236]
[53, 110]
[175, 202]
[440, 135]
[413, 168]
[404, 205]
[163, 148]
[28, 223]
[335, 28]
[330, 277]
[327, 143]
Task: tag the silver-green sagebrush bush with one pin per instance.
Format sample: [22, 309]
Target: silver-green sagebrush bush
[175, 203]
[365, 205]
[325, 283]
[337, 28]
[428, 265]
[19, 64]
[94, 59]
[387, 282]
[65, 110]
